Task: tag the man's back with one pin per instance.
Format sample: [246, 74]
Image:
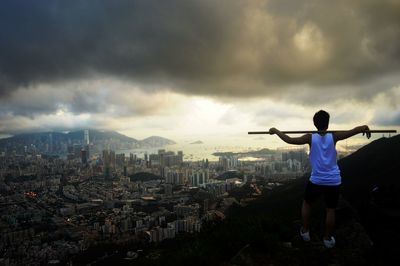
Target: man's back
[325, 170]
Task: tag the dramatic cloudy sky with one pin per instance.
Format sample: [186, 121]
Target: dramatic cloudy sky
[198, 68]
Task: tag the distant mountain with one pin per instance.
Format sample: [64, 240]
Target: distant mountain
[57, 142]
[197, 142]
[155, 141]
[73, 136]
[99, 135]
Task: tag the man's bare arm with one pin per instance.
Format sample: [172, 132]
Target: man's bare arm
[347, 134]
[305, 139]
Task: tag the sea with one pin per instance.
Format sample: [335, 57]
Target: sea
[192, 152]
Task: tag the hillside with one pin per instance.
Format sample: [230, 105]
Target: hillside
[371, 184]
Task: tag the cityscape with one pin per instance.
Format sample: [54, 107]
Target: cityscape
[55, 207]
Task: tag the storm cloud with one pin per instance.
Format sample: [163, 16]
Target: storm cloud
[240, 48]
[55, 54]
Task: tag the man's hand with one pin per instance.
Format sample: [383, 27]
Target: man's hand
[364, 129]
[273, 130]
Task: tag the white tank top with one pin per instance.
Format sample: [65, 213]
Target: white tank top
[325, 170]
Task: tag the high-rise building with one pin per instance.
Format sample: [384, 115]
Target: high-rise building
[125, 171]
[86, 137]
[83, 157]
[87, 149]
[112, 158]
[132, 158]
[120, 159]
[180, 157]
[229, 162]
[199, 177]
[106, 163]
[77, 150]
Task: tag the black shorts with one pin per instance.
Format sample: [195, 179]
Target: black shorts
[330, 193]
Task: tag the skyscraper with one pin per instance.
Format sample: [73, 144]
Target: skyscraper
[86, 137]
[83, 157]
[87, 149]
[180, 157]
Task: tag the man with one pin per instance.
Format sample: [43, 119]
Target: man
[325, 176]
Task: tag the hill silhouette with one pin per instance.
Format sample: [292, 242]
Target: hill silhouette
[371, 184]
[74, 136]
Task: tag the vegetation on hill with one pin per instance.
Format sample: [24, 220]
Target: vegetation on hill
[230, 174]
[142, 176]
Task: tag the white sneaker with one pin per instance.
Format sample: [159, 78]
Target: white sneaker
[305, 235]
[330, 243]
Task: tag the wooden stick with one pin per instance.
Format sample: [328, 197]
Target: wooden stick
[315, 131]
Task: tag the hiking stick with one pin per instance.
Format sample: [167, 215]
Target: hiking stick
[316, 131]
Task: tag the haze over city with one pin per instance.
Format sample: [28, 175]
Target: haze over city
[198, 70]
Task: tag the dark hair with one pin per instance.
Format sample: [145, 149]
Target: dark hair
[321, 120]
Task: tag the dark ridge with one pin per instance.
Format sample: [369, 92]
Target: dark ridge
[371, 183]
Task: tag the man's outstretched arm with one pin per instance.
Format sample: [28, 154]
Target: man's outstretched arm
[347, 134]
[305, 139]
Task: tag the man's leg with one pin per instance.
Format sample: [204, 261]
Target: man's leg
[331, 195]
[305, 214]
[329, 222]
